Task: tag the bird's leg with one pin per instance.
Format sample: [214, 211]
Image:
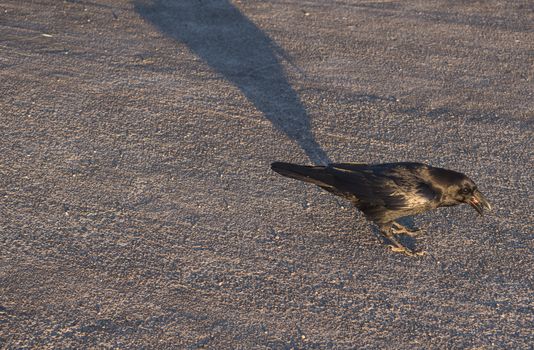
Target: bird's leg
[396, 246]
[403, 230]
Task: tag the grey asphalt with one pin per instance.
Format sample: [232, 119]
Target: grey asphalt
[138, 210]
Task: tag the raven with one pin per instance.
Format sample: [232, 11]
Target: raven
[387, 192]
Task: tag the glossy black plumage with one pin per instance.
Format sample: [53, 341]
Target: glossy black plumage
[386, 192]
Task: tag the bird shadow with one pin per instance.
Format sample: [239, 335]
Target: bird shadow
[225, 39]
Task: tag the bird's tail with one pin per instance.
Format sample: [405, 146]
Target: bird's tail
[314, 174]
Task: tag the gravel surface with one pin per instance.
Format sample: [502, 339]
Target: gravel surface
[138, 210]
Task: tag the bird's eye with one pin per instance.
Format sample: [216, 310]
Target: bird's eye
[465, 190]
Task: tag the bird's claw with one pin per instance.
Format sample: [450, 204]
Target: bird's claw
[407, 251]
[404, 231]
[420, 253]
[408, 233]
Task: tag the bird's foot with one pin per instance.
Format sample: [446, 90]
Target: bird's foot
[395, 245]
[407, 251]
[399, 229]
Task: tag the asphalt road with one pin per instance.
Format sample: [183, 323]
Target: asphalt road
[138, 210]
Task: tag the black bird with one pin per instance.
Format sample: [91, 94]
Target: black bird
[387, 192]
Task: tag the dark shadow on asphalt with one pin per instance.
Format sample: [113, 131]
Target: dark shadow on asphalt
[218, 33]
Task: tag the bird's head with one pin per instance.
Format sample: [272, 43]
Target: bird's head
[458, 188]
[467, 192]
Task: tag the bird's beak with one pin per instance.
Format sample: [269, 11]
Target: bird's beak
[479, 202]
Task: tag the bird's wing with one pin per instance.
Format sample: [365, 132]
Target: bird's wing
[416, 195]
[350, 166]
[389, 188]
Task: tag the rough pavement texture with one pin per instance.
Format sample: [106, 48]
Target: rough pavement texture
[137, 205]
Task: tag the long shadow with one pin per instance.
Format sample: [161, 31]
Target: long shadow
[230, 43]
